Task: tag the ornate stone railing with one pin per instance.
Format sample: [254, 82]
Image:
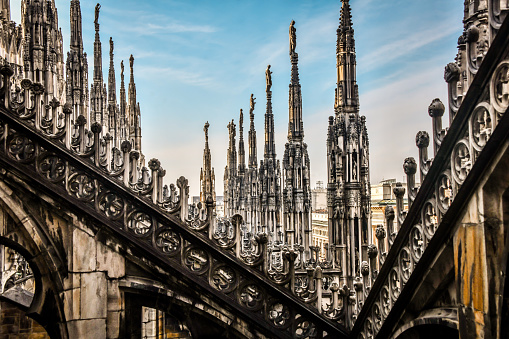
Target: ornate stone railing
[479, 123]
[40, 141]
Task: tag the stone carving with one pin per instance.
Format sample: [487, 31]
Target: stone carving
[268, 79]
[293, 38]
[252, 104]
[97, 8]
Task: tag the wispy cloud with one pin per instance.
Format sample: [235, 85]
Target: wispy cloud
[402, 47]
[184, 76]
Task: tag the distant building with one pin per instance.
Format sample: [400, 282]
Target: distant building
[219, 206]
[319, 222]
[318, 197]
[382, 195]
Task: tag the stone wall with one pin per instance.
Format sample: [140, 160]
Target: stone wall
[15, 324]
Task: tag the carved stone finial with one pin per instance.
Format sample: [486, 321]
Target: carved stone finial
[293, 37]
[410, 166]
[125, 146]
[122, 68]
[364, 268]
[111, 47]
[96, 127]
[422, 139]
[399, 190]
[389, 213]
[472, 34]
[451, 72]
[154, 164]
[436, 108]
[268, 79]
[380, 230]
[372, 251]
[67, 108]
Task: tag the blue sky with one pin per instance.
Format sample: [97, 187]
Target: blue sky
[198, 61]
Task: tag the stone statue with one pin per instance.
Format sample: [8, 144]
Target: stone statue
[293, 37]
[231, 129]
[252, 103]
[111, 46]
[131, 62]
[122, 68]
[97, 8]
[206, 130]
[268, 79]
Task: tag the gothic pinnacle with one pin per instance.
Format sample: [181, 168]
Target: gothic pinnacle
[295, 124]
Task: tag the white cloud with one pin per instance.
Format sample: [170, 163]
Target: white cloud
[400, 47]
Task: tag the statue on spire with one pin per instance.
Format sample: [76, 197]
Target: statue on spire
[131, 62]
[252, 103]
[97, 8]
[231, 129]
[268, 79]
[293, 37]
[111, 46]
[206, 130]
[122, 69]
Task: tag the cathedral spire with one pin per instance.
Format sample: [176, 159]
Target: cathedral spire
[98, 96]
[112, 95]
[77, 66]
[98, 73]
[132, 85]
[113, 115]
[295, 125]
[252, 135]
[242, 152]
[76, 27]
[133, 108]
[207, 177]
[270, 147]
[347, 97]
[123, 100]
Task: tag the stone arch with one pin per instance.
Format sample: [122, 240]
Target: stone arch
[46, 307]
[438, 323]
[200, 319]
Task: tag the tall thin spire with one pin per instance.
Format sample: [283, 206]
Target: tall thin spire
[113, 111]
[132, 87]
[252, 135]
[98, 95]
[112, 94]
[207, 177]
[295, 124]
[98, 64]
[76, 27]
[296, 166]
[270, 147]
[133, 108]
[242, 152]
[77, 66]
[230, 174]
[347, 97]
